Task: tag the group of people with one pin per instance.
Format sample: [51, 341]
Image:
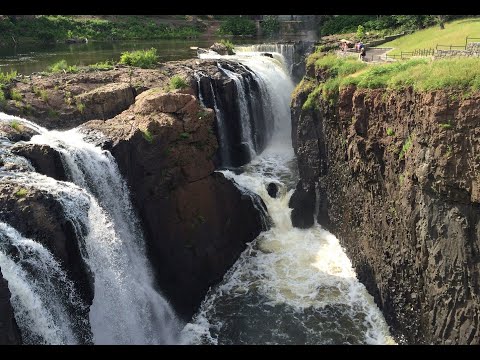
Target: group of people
[359, 47]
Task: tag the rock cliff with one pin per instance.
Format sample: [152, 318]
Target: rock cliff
[397, 174]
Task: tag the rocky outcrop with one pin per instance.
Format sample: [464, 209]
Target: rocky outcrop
[9, 331]
[302, 203]
[38, 215]
[221, 49]
[397, 175]
[45, 160]
[196, 222]
[105, 101]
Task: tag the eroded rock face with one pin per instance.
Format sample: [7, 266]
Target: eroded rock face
[196, 222]
[9, 331]
[398, 177]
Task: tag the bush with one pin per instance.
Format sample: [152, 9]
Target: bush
[15, 95]
[360, 32]
[177, 82]
[6, 78]
[237, 25]
[229, 45]
[62, 65]
[2, 98]
[102, 66]
[147, 135]
[140, 58]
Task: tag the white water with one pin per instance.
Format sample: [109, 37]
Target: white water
[285, 50]
[44, 300]
[126, 308]
[290, 286]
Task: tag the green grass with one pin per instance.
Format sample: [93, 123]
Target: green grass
[21, 193]
[184, 136]
[40, 93]
[16, 125]
[6, 78]
[140, 58]
[454, 33]
[81, 107]
[16, 95]
[62, 65]
[102, 66]
[3, 101]
[446, 126]
[147, 135]
[462, 73]
[390, 132]
[406, 146]
[177, 82]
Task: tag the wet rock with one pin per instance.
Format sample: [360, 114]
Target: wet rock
[221, 49]
[272, 190]
[9, 331]
[44, 159]
[303, 204]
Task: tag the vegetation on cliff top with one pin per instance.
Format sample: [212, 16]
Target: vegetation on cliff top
[237, 25]
[454, 33]
[422, 74]
[50, 28]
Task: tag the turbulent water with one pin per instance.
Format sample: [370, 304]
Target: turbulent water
[290, 286]
[126, 308]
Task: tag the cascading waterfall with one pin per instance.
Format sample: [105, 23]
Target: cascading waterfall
[290, 286]
[126, 308]
[47, 307]
[260, 105]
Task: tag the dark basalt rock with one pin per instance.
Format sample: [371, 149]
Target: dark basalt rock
[272, 190]
[303, 204]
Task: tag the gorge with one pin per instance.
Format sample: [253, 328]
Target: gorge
[146, 215]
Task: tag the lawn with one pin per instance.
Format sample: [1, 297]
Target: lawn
[454, 33]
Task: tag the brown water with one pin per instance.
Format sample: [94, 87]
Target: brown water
[29, 58]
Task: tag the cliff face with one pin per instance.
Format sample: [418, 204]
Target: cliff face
[196, 222]
[398, 178]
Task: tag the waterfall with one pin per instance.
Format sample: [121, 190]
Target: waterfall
[46, 305]
[126, 308]
[259, 107]
[287, 51]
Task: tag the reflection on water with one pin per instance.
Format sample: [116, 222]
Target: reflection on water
[35, 57]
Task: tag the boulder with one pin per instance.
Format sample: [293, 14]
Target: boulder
[45, 160]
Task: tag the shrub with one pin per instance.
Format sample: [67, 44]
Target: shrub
[62, 65]
[42, 94]
[15, 95]
[184, 135]
[140, 58]
[81, 107]
[16, 125]
[390, 132]
[229, 45]
[22, 192]
[177, 82]
[147, 135]
[102, 66]
[360, 32]
[5, 78]
[407, 145]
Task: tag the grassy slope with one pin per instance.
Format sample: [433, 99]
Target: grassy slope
[423, 74]
[453, 34]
